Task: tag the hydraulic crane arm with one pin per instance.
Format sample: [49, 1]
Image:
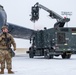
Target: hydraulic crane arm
[60, 20]
[52, 14]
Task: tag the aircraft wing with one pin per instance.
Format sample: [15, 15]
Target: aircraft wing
[20, 32]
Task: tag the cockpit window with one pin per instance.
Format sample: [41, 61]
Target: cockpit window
[1, 6]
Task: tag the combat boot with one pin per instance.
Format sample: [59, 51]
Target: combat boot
[10, 72]
[2, 71]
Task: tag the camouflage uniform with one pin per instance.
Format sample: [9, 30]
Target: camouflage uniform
[5, 55]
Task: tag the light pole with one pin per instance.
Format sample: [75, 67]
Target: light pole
[66, 15]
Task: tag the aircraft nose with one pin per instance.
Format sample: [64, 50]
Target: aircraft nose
[3, 18]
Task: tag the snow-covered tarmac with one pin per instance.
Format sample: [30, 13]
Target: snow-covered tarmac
[23, 65]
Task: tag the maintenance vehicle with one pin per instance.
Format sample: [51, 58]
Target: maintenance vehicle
[55, 41]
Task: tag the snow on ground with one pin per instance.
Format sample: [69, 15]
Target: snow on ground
[23, 65]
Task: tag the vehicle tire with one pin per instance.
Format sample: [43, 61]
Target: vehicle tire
[31, 55]
[50, 56]
[66, 56]
[63, 56]
[31, 52]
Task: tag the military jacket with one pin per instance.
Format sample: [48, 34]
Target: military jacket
[3, 44]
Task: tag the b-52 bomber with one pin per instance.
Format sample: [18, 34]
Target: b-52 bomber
[15, 30]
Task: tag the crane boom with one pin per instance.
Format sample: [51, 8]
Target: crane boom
[60, 20]
[52, 13]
